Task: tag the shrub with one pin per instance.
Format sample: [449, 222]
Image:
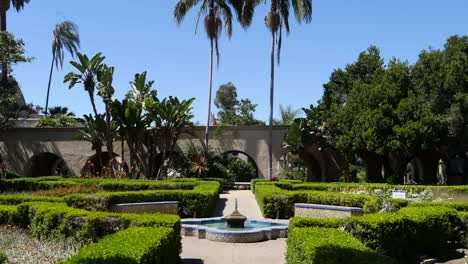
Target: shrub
[396, 204]
[61, 192]
[134, 245]
[459, 206]
[198, 202]
[253, 182]
[59, 220]
[3, 258]
[328, 245]
[18, 199]
[278, 203]
[8, 214]
[315, 222]
[408, 233]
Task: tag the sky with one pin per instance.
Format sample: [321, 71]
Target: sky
[144, 37]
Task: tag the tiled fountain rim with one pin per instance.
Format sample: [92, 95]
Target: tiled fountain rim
[254, 235]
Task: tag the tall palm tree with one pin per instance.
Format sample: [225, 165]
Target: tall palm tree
[4, 7]
[66, 37]
[275, 20]
[218, 10]
[88, 72]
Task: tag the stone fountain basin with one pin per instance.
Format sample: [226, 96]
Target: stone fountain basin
[215, 229]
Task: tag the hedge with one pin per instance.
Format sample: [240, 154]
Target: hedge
[134, 245]
[459, 206]
[18, 199]
[47, 183]
[296, 222]
[329, 245]
[278, 203]
[3, 258]
[409, 232]
[8, 214]
[59, 220]
[198, 202]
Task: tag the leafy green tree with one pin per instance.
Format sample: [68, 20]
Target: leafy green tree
[88, 71]
[57, 120]
[218, 10]
[94, 131]
[66, 37]
[226, 97]
[5, 5]
[12, 104]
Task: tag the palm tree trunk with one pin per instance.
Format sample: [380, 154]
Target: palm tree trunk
[91, 98]
[50, 80]
[272, 86]
[110, 147]
[207, 129]
[3, 28]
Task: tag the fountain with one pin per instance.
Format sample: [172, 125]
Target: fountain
[235, 219]
[235, 228]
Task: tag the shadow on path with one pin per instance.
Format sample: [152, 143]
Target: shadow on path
[191, 261]
[220, 205]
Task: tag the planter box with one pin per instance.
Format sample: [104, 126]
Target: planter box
[170, 207]
[325, 211]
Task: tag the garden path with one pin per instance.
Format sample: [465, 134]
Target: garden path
[201, 251]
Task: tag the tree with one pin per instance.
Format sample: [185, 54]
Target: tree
[106, 91]
[218, 10]
[226, 97]
[11, 102]
[93, 131]
[4, 7]
[66, 37]
[87, 75]
[60, 110]
[275, 20]
[288, 115]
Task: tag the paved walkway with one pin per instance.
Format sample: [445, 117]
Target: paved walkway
[202, 251]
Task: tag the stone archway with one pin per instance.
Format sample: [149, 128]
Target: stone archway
[46, 164]
[237, 154]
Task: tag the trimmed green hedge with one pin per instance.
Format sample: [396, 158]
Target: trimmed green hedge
[134, 245]
[328, 245]
[278, 203]
[47, 183]
[3, 258]
[8, 214]
[59, 220]
[198, 202]
[315, 222]
[409, 232]
[18, 199]
[254, 182]
[459, 206]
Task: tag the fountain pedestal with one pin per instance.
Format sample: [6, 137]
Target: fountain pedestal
[236, 219]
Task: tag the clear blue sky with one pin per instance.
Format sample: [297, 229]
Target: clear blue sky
[144, 37]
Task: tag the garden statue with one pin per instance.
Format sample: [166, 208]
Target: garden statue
[441, 173]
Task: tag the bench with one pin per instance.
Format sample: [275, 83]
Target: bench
[325, 211]
[169, 207]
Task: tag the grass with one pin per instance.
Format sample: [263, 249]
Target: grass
[20, 247]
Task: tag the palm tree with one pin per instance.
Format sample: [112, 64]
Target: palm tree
[88, 72]
[275, 20]
[4, 7]
[60, 110]
[218, 10]
[66, 36]
[288, 114]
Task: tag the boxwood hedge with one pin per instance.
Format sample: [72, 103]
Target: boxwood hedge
[279, 203]
[134, 245]
[409, 232]
[198, 202]
[329, 245]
